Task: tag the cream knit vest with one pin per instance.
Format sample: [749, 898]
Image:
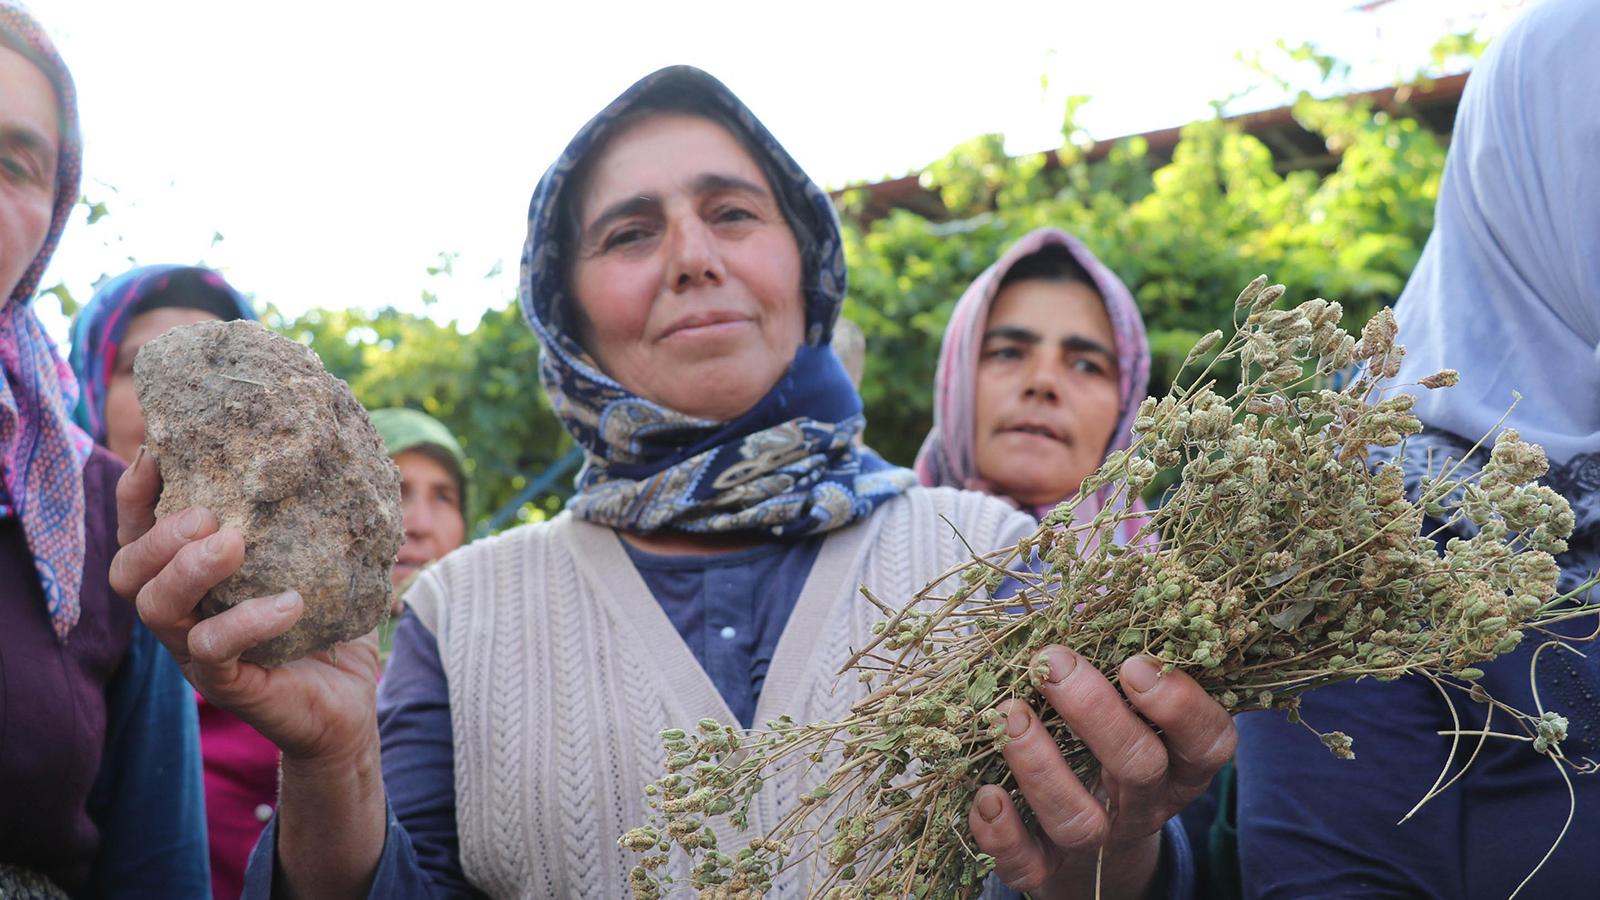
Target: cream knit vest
[562, 671]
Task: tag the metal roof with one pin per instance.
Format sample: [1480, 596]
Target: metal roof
[1432, 103]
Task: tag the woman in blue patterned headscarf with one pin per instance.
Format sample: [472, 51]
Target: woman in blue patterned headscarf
[671, 456]
[683, 275]
[124, 313]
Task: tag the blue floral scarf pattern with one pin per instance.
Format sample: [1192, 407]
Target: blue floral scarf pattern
[788, 466]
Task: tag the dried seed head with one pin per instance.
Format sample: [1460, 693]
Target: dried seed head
[1202, 347]
[1441, 379]
[1268, 297]
[1551, 729]
[1250, 292]
[1339, 744]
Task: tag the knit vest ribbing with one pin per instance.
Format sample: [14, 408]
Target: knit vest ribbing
[563, 670]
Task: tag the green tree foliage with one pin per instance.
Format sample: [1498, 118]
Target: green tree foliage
[483, 384]
[1184, 236]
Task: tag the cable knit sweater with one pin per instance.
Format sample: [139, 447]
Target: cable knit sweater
[563, 670]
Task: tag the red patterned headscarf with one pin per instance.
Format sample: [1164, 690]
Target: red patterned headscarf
[41, 451]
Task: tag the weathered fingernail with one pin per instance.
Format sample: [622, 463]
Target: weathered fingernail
[213, 545]
[989, 806]
[286, 601]
[1140, 673]
[138, 458]
[1062, 662]
[189, 523]
[1018, 720]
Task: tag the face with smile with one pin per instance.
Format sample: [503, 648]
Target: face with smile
[29, 142]
[1047, 395]
[687, 274]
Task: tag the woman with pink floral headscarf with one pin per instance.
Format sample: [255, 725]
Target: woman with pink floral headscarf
[1043, 366]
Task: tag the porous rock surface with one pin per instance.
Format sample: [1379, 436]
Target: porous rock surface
[249, 425]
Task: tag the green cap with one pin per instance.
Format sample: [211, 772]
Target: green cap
[409, 429]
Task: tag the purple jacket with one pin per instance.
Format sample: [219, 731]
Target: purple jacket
[99, 759]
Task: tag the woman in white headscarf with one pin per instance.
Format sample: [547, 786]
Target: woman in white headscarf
[1508, 293]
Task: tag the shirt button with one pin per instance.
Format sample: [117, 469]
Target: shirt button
[728, 633]
[263, 812]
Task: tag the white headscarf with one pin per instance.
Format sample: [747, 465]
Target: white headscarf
[1508, 287]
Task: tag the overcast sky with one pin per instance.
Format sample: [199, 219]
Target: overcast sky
[336, 146]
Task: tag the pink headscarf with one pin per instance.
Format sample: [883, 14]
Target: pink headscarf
[948, 455]
[41, 451]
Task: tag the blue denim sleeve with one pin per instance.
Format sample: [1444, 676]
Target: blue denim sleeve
[1179, 857]
[398, 873]
[421, 856]
[148, 798]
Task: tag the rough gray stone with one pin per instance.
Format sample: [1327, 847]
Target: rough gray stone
[249, 425]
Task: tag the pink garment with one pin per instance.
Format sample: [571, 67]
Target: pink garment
[241, 772]
[948, 455]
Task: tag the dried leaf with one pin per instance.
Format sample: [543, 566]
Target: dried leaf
[1290, 617]
[980, 693]
[1273, 581]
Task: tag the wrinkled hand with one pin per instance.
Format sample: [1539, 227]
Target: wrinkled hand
[314, 709]
[1146, 778]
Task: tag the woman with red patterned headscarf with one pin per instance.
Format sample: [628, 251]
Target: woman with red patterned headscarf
[99, 763]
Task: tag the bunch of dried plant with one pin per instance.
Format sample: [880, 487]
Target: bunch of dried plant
[1282, 560]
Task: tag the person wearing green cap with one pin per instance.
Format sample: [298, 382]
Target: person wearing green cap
[433, 487]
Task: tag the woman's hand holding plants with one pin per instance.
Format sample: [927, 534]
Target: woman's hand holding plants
[1146, 778]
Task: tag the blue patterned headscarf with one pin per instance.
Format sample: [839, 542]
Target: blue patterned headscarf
[98, 330]
[787, 466]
